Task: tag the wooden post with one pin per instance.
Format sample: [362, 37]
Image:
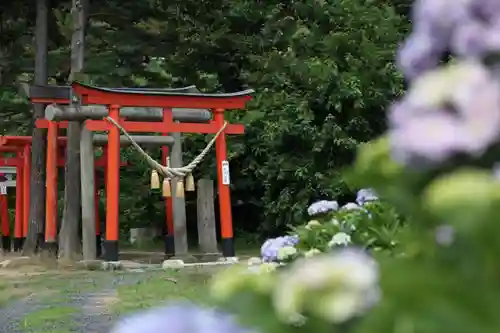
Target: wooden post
[207, 234]
[18, 222]
[51, 211]
[112, 188]
[169, 216]
[4, 207]
[223, 182]
[179, 204]
[87, 173]
[26, 189]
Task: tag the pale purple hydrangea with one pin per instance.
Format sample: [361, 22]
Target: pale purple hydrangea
[476, 39]
[468, 28]
[454, 110]
[433, 24]
[322, 207]
[420, 52]
[270, 248]
[366, 195]
[179, 318]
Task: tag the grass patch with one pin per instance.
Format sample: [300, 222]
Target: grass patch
[156, 288]
[52, 287]
[10, 292]
[50, 319]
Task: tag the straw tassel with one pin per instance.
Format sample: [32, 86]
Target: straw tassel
[179, 189]
[155, 180]
[190, 183]
[166, 190]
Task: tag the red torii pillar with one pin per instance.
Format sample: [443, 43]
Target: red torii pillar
[16, 162]
[18, 222]
[54, 161]
[4, 215]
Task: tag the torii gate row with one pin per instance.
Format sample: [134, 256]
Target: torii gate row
[79, 95]
[21, 146]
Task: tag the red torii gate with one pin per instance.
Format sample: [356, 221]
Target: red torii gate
[116, 98]
[21, 145]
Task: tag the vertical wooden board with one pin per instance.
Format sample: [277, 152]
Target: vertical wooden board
[179, 204]
[207, 234]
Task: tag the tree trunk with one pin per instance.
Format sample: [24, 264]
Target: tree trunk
[69, 242]
[37, 178]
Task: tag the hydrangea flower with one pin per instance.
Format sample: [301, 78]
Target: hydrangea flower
[476, 39]
[236, 278]
[340, 238]
[346, 280]
[322, 207]
[350, 206]
[433, 24]
[312, 224]
[179, 318]
[335, 222]
[458, 110]
[270, 248]
[366, 195]
[286, 252]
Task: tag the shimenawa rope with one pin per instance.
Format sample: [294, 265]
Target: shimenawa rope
[167, 171]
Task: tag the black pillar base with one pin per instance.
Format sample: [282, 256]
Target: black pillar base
[18, 244]
[98, 245]
[227, 247]
[110, 250]
[6, 243]
[169, 245]
[51, 248]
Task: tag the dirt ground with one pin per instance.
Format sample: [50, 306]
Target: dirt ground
[38, 296]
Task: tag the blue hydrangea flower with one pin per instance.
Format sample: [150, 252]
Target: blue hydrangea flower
[269, 250]
[179, 318]
[321, 207]
[365, 195]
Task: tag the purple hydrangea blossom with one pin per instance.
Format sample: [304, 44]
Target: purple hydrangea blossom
[366, 195]
[179, 318]
[321, 207]
[475, 39]
[269, 250]
[454, 110]
[433, 25]
[420, 53]
[468, 28]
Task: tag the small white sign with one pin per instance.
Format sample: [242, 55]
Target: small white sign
[3, 189]
[226, 179]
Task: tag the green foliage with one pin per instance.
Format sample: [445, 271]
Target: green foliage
[322, 73]
[374, 226]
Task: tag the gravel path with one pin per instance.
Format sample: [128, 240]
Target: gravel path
[11, 316]
[95, 317]
[92, 315]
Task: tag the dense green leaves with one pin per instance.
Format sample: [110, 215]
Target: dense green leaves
[323, 74]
